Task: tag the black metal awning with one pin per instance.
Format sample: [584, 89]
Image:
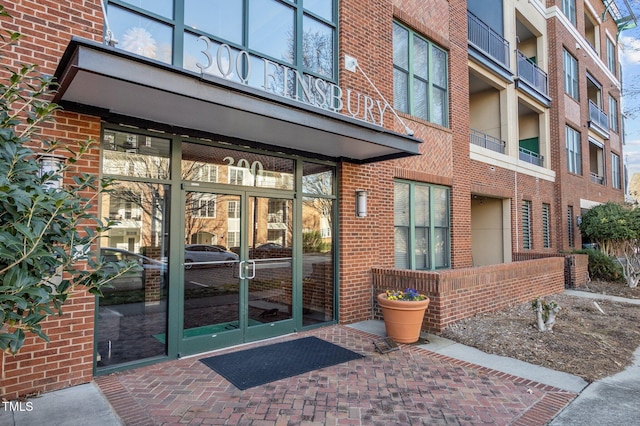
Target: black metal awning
[109, 82]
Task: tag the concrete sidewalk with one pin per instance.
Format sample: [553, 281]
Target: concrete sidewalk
[611, 401]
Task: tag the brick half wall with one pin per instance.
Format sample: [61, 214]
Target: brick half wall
[460, 293]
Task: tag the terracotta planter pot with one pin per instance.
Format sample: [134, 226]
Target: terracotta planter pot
[403, 318]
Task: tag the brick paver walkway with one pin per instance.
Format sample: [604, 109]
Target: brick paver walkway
[408, 386]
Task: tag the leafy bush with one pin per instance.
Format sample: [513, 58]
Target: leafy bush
[601, 266]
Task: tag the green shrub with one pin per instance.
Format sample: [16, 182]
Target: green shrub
[601, 266]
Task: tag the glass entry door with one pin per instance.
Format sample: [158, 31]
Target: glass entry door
[238, 268]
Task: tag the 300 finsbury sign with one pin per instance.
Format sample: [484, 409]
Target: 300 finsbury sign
[225, 62]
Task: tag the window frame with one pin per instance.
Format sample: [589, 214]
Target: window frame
[433, 227]
[569, 10]
[570, 72]
[573, 145]
[430, 81]
[616, 176]
[611, 56]
[614, 120]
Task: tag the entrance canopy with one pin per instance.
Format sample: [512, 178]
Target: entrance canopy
[100, 80]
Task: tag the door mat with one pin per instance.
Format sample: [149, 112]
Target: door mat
[208, 329]
[265, 364]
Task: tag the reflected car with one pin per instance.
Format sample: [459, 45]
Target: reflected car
[208, 255]
[270, 251]
[135, 278]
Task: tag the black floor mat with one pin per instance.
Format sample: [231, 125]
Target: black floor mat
[257, 366]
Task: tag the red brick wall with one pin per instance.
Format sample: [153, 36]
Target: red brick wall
[47, 27]
[460, 293]
[67, 360]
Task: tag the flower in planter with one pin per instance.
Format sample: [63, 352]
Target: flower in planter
[409, 294]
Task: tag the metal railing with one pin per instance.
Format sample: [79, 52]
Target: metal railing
[530, 157]
[597, 116]
[596, 178]
[532, 74]
[487, 40]
[486, 141]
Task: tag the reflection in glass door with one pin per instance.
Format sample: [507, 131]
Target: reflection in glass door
[211, 264]
[270, 261]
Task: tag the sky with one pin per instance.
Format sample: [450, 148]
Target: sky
[630, 60]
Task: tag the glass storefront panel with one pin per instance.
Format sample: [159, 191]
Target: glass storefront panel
[237, 167]
[132, 313]
[141, 35]
[134, 155]
[317, 260]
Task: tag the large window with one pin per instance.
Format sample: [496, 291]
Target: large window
[574, 156]
[569, 10]
[421, 226]
[300, 35]
[420, 69]
[570, 67]
[616, 180]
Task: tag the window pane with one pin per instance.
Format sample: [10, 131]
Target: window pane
[223, 65]
[441, 206]
[400, 47]
[422, 248]
[422, 205]
[271, 25]
[400, 91]
[439, 65]
[140, 35]
[401, 247]
[401, 204]
[220, 18]
[421, 99]
[159, 7]
[322, 8]
[441, 247]
[420, 58]
[130, 154]
[317, 47]
[439, 113]
[317, 179]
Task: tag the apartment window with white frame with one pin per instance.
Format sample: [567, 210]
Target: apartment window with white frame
[611, 56]
[574, 151]
[570, 68]
[616, 180]
[420, 70]
[613, 114]
[569, 10]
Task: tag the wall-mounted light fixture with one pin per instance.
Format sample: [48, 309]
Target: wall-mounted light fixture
[361, 203]
[51, 164]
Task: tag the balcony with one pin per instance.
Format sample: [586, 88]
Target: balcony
[596, 178]
[486, 141]
[487, 41]
[598, 120]
[535, 80]
[530, 157]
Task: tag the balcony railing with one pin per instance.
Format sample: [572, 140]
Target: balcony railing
[598, 117]
[487, 40]
[532, 74]
[596, 178]
[486, 141]
[531, 157]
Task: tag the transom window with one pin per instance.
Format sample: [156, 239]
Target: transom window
[570, 66]
[298, 34]
[420, 70]
[421, 226]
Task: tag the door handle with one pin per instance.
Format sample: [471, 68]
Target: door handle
[240, 269]
[253, 269]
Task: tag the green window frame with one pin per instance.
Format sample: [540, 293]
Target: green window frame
[420, 76]
[301, 35]
[570, 69]
[422, 232]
